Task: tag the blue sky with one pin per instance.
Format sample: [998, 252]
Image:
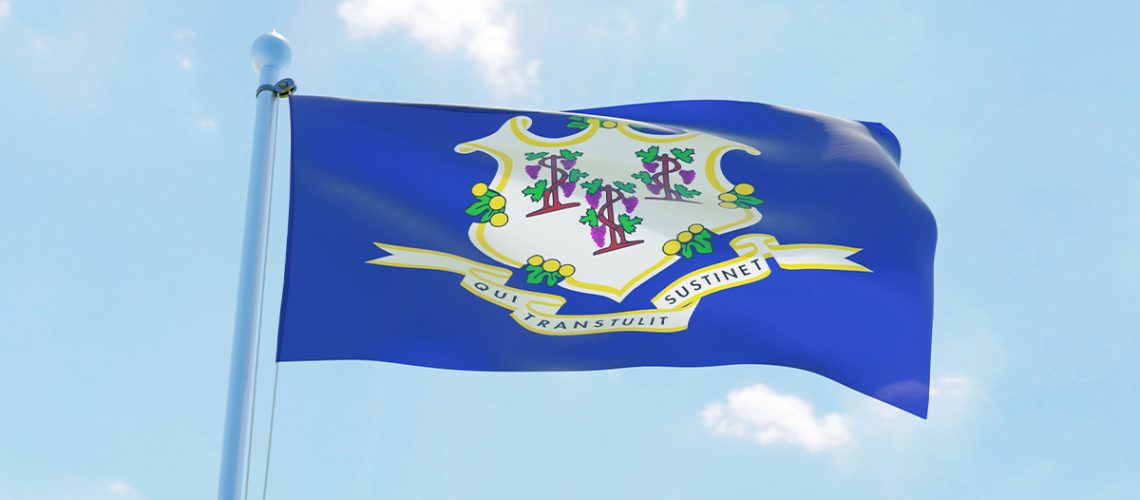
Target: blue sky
[124, 143]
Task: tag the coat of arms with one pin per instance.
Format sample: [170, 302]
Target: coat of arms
[601, 212]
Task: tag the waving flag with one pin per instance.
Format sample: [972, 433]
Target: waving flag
[691, 233]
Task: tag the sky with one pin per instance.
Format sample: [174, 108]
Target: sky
[125, 130]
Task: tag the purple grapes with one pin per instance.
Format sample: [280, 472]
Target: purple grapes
[532, 171]
[688, 175]
[569, 163]
[652, 166]
[568, 188]
[593, 199]
[630, 204]
[654, 188]
[599, 235]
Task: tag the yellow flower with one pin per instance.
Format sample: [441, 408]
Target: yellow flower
[479, 189]
[497, 203]
[566, 270]
[551, 265]
[727, 197]
[684, 236]
[671, 247]
[499, 219]
[728, 204]
[696, 228]
[535, 260]
[744, 189]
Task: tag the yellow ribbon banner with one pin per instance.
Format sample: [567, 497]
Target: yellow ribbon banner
[538, 312]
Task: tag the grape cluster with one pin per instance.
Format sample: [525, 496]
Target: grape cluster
[546, 271]
[494, 202]
[551, 265]
[672, 247]
[740, 197]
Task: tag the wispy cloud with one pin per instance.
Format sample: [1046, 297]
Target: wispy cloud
[765, 416]
[680, 9]
[120, 488]
[949, 392]
[5, 9]
[956, 386]
[207, 124]
[486, 30]
[72, 488]
[186, 64]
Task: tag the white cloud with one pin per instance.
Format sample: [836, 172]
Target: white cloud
[184, 35]
[484, 29]
[207, 124]
[949, 394]
[186, 64]
[72, 488]
[955, 386]
[122, 488]
[5, 9]
[680, 9]
[758, 413]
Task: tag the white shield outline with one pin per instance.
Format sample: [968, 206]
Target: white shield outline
[519, 128]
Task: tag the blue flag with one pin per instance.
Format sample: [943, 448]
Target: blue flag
[692, 233]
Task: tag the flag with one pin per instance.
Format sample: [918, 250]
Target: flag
[691, 233]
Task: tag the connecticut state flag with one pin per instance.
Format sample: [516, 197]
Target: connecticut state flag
[690, 233]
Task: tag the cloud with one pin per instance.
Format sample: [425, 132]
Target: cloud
[680, 9]
[186, 64]
[484, 29]
[760, 414]
[120, 488]
[5, 9]
[207, 124]
[954, 386]
[949, 394]
[72, 488]
[184, 35]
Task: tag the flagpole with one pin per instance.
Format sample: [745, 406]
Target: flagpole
[270, 56]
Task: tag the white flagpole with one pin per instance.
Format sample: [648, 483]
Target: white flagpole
[270, 55]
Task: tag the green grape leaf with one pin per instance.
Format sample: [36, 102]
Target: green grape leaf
[576, 174]
[535, 156]
[553, 279]
[701, 242]
[592, 186]
[648, 155]
[570, 155]
[685, 192]
[687, 251]
[629, 224]
[644, 177]
[591, 218]
[536, 191]
[746, 201]
[577, 122]
[534, 274]
[627, 187]
[476, 208]
[685, 155]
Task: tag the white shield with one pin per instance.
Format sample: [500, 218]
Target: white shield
[553, 228]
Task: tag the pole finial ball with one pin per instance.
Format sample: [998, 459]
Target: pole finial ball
[271, 49]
